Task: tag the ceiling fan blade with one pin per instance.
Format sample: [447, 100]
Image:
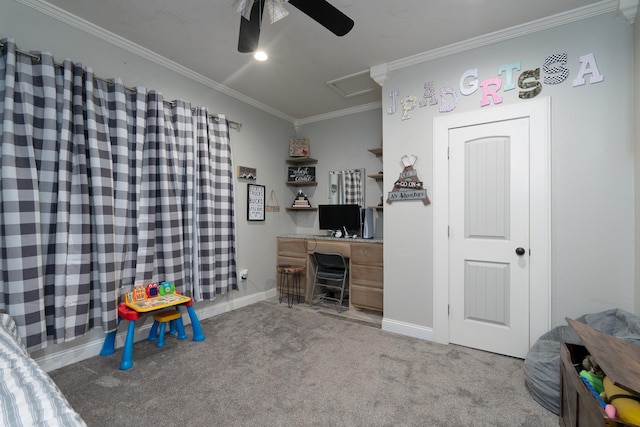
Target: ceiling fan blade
[326, 15]
[250, 29]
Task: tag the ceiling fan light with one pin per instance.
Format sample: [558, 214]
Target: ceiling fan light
[261, 56]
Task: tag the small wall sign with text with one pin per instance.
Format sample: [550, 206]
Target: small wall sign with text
[299, 147]
[301, 174]
[408, 186]
[255, 202]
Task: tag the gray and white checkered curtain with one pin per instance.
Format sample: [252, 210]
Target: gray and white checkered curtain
[98, 186]
[346, 186]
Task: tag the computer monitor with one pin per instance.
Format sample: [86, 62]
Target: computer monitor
[337, 217]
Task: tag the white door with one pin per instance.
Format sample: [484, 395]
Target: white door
[489, 236]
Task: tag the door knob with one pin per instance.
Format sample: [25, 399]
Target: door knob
[520, 251]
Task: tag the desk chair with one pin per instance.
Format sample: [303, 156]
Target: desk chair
[331, 274]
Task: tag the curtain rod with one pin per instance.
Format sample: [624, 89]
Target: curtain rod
[233, 125]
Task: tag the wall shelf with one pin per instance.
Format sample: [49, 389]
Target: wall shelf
[378, 208]
[301, 161]
[376, 176]
[376, 151]
[291, 208]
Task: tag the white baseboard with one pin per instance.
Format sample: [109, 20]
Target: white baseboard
[93, 343]
[408, 329]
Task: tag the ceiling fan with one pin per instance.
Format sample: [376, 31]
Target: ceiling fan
[320, 11]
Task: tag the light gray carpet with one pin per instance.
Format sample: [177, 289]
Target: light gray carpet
[270, 365]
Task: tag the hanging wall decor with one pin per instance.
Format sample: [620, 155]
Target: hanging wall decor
[299, 147]
[408, 186]
[301, 174]
[245, 172]
[255, 202]
[272, 203]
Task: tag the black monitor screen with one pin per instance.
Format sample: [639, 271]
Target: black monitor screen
[334, 217]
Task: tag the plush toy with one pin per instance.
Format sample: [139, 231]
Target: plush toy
[592, 373]
[627, 404]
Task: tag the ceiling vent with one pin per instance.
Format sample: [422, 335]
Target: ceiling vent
[354, 84]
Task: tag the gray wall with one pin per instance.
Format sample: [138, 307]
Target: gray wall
[592, 157]
[339, 144]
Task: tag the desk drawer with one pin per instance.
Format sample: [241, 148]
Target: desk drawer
[367, 276]
[366, 297]
[367, 254]
[329, 246]
[295, 248]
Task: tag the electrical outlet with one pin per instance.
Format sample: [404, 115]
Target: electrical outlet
[243, 273]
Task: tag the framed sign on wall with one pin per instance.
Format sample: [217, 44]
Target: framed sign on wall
[255, 202]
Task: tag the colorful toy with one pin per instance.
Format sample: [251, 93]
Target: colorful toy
[154, 297]
[592, 373]
[137, 293]
[167, 288]
[626, 404]
[152, 290]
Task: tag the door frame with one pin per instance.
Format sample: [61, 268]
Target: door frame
[539, 113]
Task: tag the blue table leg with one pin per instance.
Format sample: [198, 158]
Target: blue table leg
[198, 335]
[127, 354]
[108, 347]
[153, 333]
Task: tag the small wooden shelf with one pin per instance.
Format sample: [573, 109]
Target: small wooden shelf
[378, 208]
[376, 151]
[302, 183]
[376, 176]
[301, 161]
[291, 208]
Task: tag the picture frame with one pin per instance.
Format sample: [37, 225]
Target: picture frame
[301, 174]
[255, 202]
[299, 147]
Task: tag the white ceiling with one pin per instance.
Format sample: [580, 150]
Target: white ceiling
[303, 56]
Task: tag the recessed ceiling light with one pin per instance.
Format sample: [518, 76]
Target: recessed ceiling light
[261, 56]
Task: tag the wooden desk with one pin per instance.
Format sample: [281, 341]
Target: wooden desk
[365, 256]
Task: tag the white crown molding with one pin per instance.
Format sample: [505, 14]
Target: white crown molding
[628, 9]
[508, 33]
[340, 113]
[379, 73]
[89, 28]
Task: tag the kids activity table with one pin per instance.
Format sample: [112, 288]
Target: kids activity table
[134, 310]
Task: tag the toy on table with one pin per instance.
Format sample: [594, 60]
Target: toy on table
[167, 288]
[154, 297]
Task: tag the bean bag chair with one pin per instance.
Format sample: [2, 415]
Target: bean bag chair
[542, 364]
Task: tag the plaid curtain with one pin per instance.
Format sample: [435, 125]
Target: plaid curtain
[346, 187]
[98, 186]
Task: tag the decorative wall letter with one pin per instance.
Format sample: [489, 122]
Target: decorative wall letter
[394, 102]
[429, 94]
[588, 66]
[536, 85]
[508, 69]
[490, 88]
[408, 104]
[448, 105]
[473, 84]
[561, 70]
